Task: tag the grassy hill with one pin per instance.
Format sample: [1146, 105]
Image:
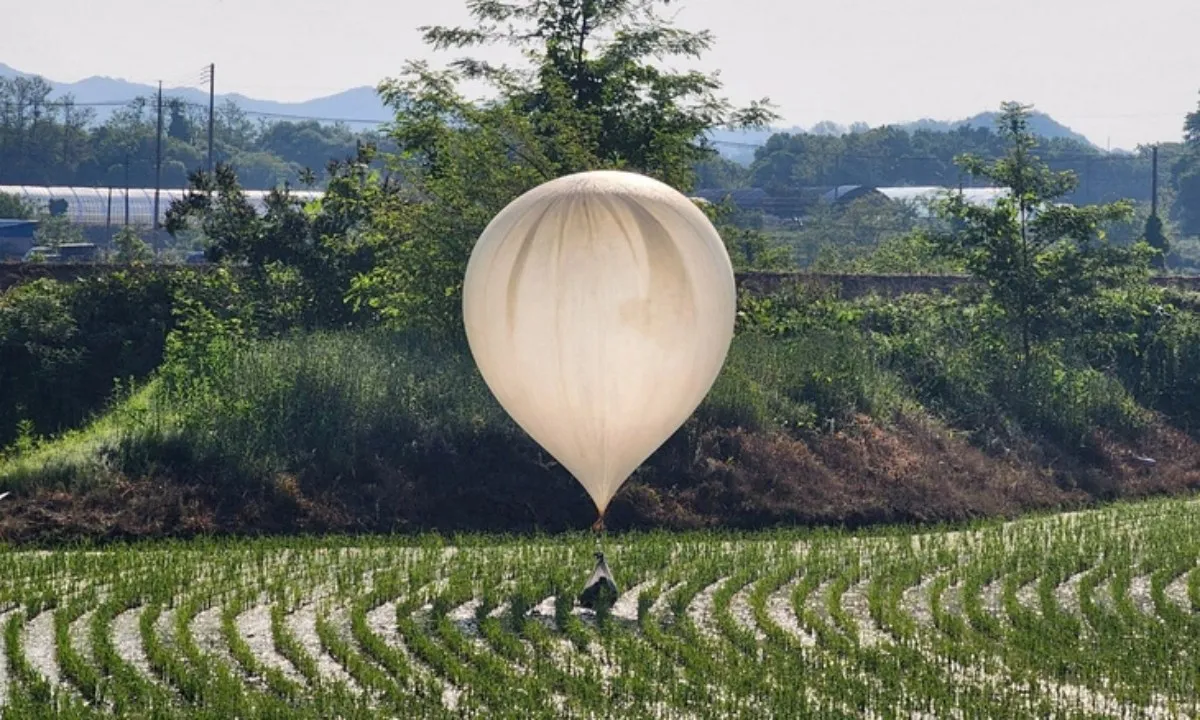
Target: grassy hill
[382, 432]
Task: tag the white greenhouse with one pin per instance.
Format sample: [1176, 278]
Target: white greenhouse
[105, 207]
[921, 198]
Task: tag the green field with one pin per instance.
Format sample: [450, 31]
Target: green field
[1083, 615]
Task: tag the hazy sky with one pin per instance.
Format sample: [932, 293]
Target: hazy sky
[1121, 72]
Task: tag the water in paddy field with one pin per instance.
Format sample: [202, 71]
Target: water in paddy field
[1081, 613]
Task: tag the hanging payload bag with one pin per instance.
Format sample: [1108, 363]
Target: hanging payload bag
[601, 586]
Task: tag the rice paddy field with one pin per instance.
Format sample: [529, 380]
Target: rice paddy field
[1084, 615]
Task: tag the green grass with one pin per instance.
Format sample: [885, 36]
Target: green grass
[334, 405]
[86, 456]
[717, 632]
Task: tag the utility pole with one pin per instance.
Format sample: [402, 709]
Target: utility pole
[5, 133]
[158, 162]
[126, 188]
[1087, 178]
[212, 102]
[66, 133]
[1154, 181]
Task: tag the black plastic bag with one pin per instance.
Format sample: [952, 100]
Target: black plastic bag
[601, 586]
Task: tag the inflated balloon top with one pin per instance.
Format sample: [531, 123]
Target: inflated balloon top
[599, 308]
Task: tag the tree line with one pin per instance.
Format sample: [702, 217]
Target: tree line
[45, 141]
[894, 156]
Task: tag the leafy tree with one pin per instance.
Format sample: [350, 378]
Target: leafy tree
[179, 126]
[130, 246]
[1187, 198]
[317, 248]
[1039, 259]
[592, 95]
[262, 169]
[591, 62]
[14, 207]
[720, 173]
[55, 230]
[233, 127]
[913, 253]
[307, 144]
[1187, 177]
[26, 129]
[1156, 237]
[748, 246]
[1191, 127]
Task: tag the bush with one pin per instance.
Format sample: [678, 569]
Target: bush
[962, 366]
[14, 207]
[63, 346]
[130, 246]
[335, 403]
[1162, 368]
[912, 253]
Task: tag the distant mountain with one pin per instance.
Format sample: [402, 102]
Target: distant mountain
[1040, 123]
[359, 104]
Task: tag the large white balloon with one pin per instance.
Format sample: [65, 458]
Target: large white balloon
[599, 308]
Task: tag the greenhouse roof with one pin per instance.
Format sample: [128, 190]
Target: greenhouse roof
[103, 206]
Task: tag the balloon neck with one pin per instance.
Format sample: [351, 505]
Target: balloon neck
[598, 526]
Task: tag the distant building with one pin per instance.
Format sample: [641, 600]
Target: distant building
[16, 237]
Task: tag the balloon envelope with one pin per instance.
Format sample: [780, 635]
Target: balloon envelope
[599, 308]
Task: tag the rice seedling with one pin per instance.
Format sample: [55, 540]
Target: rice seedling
[1083, 615]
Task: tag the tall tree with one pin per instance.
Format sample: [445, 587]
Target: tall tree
[1038, 258]
[1187, 177]
[1187, 194]
[179, 127]
[1191, 127]
[1155, 236]
[593, 61]
[592, 94]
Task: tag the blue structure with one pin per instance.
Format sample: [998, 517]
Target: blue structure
[16, 237]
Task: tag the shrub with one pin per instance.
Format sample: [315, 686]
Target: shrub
[64, 345]
[1162, 366]
[963, 366]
